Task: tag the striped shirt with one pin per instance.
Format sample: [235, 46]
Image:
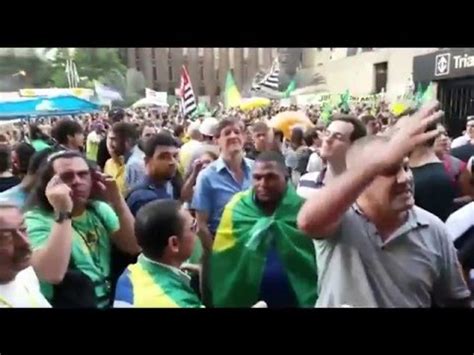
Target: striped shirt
[310, 182]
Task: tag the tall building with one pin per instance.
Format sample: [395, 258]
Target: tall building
[207, 67]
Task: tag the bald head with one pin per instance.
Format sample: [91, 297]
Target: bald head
[365, 143]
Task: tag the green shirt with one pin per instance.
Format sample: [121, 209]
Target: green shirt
[90, 244]
[39, 145]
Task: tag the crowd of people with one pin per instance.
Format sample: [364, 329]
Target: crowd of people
[142, 208]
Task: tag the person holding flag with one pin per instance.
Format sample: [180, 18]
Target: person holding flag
[258, 252]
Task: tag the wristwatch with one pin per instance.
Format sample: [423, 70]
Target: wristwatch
[63, 216]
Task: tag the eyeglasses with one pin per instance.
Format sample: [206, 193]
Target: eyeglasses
[61, 153]
[194, 226]
[333, 135]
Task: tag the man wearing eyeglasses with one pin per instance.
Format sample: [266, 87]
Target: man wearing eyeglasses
[19, 286]
[71, 230]
[375, 248]
[336, 141]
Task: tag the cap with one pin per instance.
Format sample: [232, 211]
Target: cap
[469, 118]
[208, 126]
[194, 126]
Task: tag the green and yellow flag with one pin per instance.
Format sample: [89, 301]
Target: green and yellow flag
[244, 238]
[291, 87]
[232, 94]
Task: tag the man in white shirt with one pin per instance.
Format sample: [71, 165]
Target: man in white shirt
[19, 285]
[465, 138]
[336, 141]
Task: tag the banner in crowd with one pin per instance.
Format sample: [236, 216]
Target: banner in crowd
[79, 92]
[160, 97]
[12, 95]
[319, 99]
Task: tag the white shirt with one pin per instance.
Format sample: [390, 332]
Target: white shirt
[460, 221]
[315, 163]
[93, 137]
[308, 184]
[460, 141]
[23, 292]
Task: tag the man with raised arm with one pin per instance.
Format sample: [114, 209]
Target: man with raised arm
[374, 247]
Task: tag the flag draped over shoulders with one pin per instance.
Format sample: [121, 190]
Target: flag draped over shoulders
[243, 240]
[148, 284]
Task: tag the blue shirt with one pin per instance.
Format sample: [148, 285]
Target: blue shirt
[275, 288]
[16, 195]
[215, 187]
[134, 168]
[146, 191]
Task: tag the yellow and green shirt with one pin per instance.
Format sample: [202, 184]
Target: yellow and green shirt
[90, 244]
[116, 169]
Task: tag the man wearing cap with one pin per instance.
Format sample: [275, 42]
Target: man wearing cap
[207, 130]
[466, 150]
[189, 147]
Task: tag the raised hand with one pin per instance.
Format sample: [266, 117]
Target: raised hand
[409, 133]
[106, 187]
[59, 195]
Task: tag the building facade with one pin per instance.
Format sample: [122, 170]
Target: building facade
[207, 67]
[365, 71]
[452, 72]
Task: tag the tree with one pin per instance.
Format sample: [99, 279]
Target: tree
[17, 72]
[102, 64]
[136, 83]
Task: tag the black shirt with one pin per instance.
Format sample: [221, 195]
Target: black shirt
[102, 154]
[434, 190]
[8, 182]
[464, 152]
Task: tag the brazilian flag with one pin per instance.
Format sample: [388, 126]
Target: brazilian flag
[243, 240]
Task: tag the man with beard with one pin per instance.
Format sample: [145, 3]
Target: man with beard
[122, 143]
[161, 158]
[374, 247]
[19, 286]
[336, 140]
[114, 116]
[258, 253]
[71, 231]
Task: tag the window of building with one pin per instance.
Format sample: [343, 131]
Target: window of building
[155, 74]
[170, 72]
[201, 90]
[201, 70]
[381, 70]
